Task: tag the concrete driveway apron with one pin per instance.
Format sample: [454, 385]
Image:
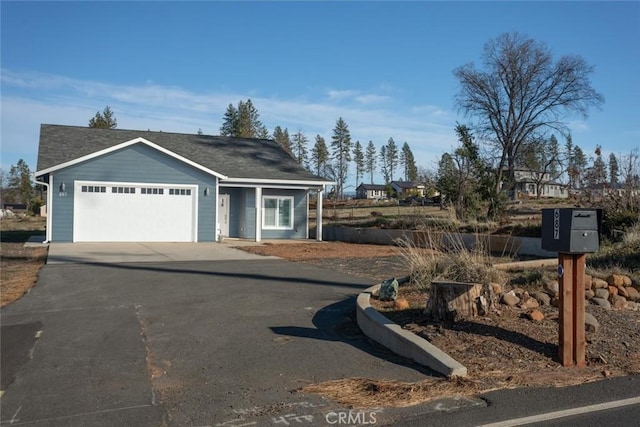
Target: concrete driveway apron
[225, 342]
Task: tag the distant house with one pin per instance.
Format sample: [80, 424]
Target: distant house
[527, 181]
[113, 185]
[371, 191]
[407, 188]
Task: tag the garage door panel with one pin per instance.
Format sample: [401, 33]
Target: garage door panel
[145, 213]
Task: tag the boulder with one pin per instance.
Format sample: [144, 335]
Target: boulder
[618, 302]
[626, 281]
[588, 294]
[622, 291]
[401, 304]
[510, 299]
[497, 288]
[615, 280]
[591, 324]
[632, 294]
[587, 282]
[598, 283]
[389, 290]
[535, 315]
[543, 298]
[600, 302]
[529, 303]
[613, 290]
[552, 287]
[602, 293]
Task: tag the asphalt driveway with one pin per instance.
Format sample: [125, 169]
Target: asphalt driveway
[186, 343]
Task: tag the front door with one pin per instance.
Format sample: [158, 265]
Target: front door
[223, 214]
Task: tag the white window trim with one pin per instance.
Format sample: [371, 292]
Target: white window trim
[291, 213]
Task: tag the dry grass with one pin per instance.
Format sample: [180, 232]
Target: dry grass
[19, 270]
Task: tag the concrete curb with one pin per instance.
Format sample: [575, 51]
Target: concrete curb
[392, 336]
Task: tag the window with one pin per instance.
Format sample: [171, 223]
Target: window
[93, 189]
[277, 212]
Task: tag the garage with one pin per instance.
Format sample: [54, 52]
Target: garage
[134, 212]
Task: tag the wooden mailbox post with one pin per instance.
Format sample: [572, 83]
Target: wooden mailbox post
[572, 233]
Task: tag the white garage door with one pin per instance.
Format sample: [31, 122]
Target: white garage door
[124, 212]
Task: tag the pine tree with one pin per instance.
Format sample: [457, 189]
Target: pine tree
[243, 122]
[320, 156]
[341, 152]
[358, 159]
[384, 164]
[614, 170]
[408, 163]
[370, 160]
[104, 120]
[230, 122]
[19, 186]
[300, 151]
[282, 138]
[392, 157]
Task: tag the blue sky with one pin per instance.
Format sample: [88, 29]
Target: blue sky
[385, 67]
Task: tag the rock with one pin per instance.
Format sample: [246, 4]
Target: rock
[536, 315]
[602, 293]
[606, 373]
[618, 302]
[615, 280]
[401, 304]
[510, 299]
[555, 301]
[542, 297]
[632, 294]
[626, 281]
[483, 305]
[529, 303]
[598, 283]
[612, 290]
[375, 293]
[591, 324]
[601, 302]
[587, 281]
[389, 290]
[622, 291]
[496, 287]
[552, 287]
[588, 294]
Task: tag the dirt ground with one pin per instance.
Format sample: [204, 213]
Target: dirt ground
[19, 268]
[502, 350]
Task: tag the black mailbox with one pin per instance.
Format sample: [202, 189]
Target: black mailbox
[571, 231]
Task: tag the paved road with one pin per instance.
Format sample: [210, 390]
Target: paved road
[221, 343]
[186, 343]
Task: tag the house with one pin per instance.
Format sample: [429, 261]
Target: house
[112, 185]
[526, 185]
[407, 188]
[371, 191]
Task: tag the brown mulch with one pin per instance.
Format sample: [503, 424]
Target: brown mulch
[501, 350]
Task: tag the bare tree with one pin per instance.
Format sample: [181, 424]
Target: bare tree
[522, 94]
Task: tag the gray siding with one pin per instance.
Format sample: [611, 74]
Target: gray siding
[137, 163]
[299, 215]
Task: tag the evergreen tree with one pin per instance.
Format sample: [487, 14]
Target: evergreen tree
[230, 122]
[300, 151]
[408, 163]
[19, 187]
[243, 122]
[580, 164]
[370, 160]
[358, 159]
[392, 157]
[282, 138]
[597, 176]
[614, 170]
[341, 152]
[104, 120]
[384, 165]
[320, 156]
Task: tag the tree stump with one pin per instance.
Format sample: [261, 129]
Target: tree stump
[452, 301]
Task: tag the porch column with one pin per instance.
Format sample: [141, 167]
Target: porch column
[258, 214]
[319, 215]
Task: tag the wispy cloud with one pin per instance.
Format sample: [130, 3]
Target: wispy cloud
[29, 99]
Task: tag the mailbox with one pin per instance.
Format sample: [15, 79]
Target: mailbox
[571, 231]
